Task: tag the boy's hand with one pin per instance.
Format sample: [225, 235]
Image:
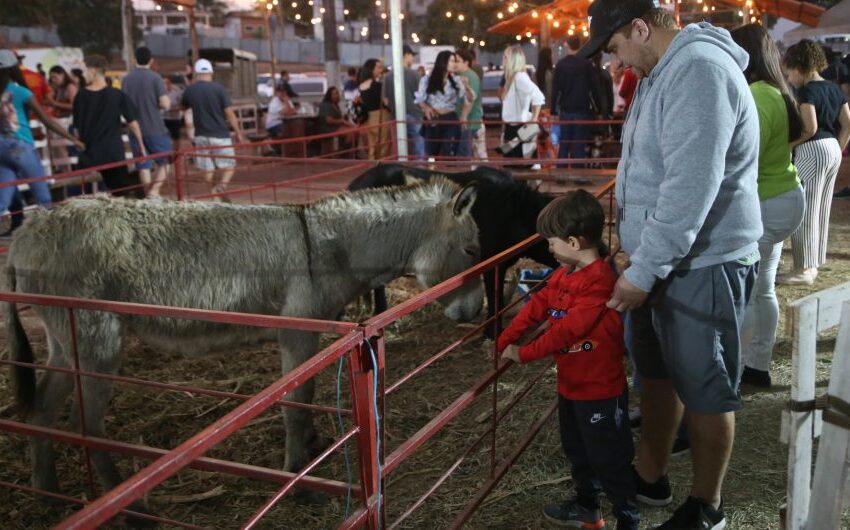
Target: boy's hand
[511, 353]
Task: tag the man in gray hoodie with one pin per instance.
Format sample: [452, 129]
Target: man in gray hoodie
[689, 220]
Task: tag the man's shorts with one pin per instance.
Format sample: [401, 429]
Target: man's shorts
[689, 332]
[211, 163]
[153, 145]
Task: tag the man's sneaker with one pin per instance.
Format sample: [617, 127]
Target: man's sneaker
[681, 446]
[695, 514]
[571, 514]
[656, 493]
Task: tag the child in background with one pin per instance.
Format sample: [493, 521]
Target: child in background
[568, 319]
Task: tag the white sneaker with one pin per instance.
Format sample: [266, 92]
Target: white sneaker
[803, 277]
[536, 167]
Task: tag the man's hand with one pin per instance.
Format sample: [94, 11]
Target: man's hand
[626, 296]
[79, 145]
[511, 353]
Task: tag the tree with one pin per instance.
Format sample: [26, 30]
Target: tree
[28, 13]
[93, 25]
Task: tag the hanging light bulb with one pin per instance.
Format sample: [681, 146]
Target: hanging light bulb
[534, 14]
[322, 10]
[433, 41]
[570, 32]
[499, 15]
[383, 16]
[341, 27]
[518, 37]
[557, 24]
[294, 4]
[346, 12]
[460, 17]
[464, 38]
[401, 16]
[549, 16]
[386, 36]
[482, 43]
[297, 16]
[528, 34]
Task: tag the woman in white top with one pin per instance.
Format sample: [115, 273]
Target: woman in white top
[519, 95]
[438, 96]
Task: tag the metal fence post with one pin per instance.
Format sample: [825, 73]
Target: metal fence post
[362, 377]
[178, 174]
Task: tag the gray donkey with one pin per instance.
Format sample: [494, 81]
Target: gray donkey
[298, 261]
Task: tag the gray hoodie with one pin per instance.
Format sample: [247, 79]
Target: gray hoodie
[686, 183]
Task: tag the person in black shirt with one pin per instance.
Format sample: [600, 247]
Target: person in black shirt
[378, 136]
[284, 85]
[576, 95]
[817, 155]
[97, 113]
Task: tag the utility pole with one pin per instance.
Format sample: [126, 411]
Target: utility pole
[331, 44]
[193, 29]
[127, 33]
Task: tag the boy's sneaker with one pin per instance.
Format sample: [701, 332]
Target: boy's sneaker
[571, 514]
[656, 493]
[695, 514]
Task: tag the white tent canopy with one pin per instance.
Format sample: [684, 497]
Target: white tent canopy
[834, 21]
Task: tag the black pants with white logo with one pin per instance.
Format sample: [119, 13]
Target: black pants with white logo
[597, 440]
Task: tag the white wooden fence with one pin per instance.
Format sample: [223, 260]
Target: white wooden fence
[818, 508]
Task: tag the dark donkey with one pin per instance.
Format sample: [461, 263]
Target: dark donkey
[299, 261]
[505, 212]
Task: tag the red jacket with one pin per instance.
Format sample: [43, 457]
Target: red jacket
[585, 336]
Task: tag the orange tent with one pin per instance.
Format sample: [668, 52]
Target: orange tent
[565, 15]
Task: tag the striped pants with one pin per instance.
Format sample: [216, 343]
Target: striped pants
[817, 164]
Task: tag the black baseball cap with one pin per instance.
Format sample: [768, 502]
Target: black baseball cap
[607, 16]
[407, 49]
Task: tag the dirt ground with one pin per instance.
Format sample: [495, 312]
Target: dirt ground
[754, 490]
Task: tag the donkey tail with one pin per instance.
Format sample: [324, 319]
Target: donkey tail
[19, 350]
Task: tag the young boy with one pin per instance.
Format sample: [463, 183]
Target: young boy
[568, 319]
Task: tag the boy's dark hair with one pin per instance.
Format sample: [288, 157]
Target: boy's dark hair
[575, 214]
[466, 54]
[143, 55]
[97, 62]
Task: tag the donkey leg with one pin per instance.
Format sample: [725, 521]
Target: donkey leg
[51, 394]
[296, 347]
[99, 347]
[380, 299]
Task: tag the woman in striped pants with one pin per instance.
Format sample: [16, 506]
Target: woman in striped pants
[826, 131]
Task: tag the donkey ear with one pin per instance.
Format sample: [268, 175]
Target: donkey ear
[410, 180]
[465, 198]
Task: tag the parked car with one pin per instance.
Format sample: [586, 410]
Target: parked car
[490, 102]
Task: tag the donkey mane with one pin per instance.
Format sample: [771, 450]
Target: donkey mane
[424, 194]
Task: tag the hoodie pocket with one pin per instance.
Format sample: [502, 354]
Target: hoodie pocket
[633, 217]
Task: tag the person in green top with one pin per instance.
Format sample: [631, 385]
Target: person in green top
[472, 133]
[781, 196]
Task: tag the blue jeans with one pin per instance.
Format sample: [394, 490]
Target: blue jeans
[441, 135]
[574, 138]
[19, 160]
[415, 140]
[464, 146]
